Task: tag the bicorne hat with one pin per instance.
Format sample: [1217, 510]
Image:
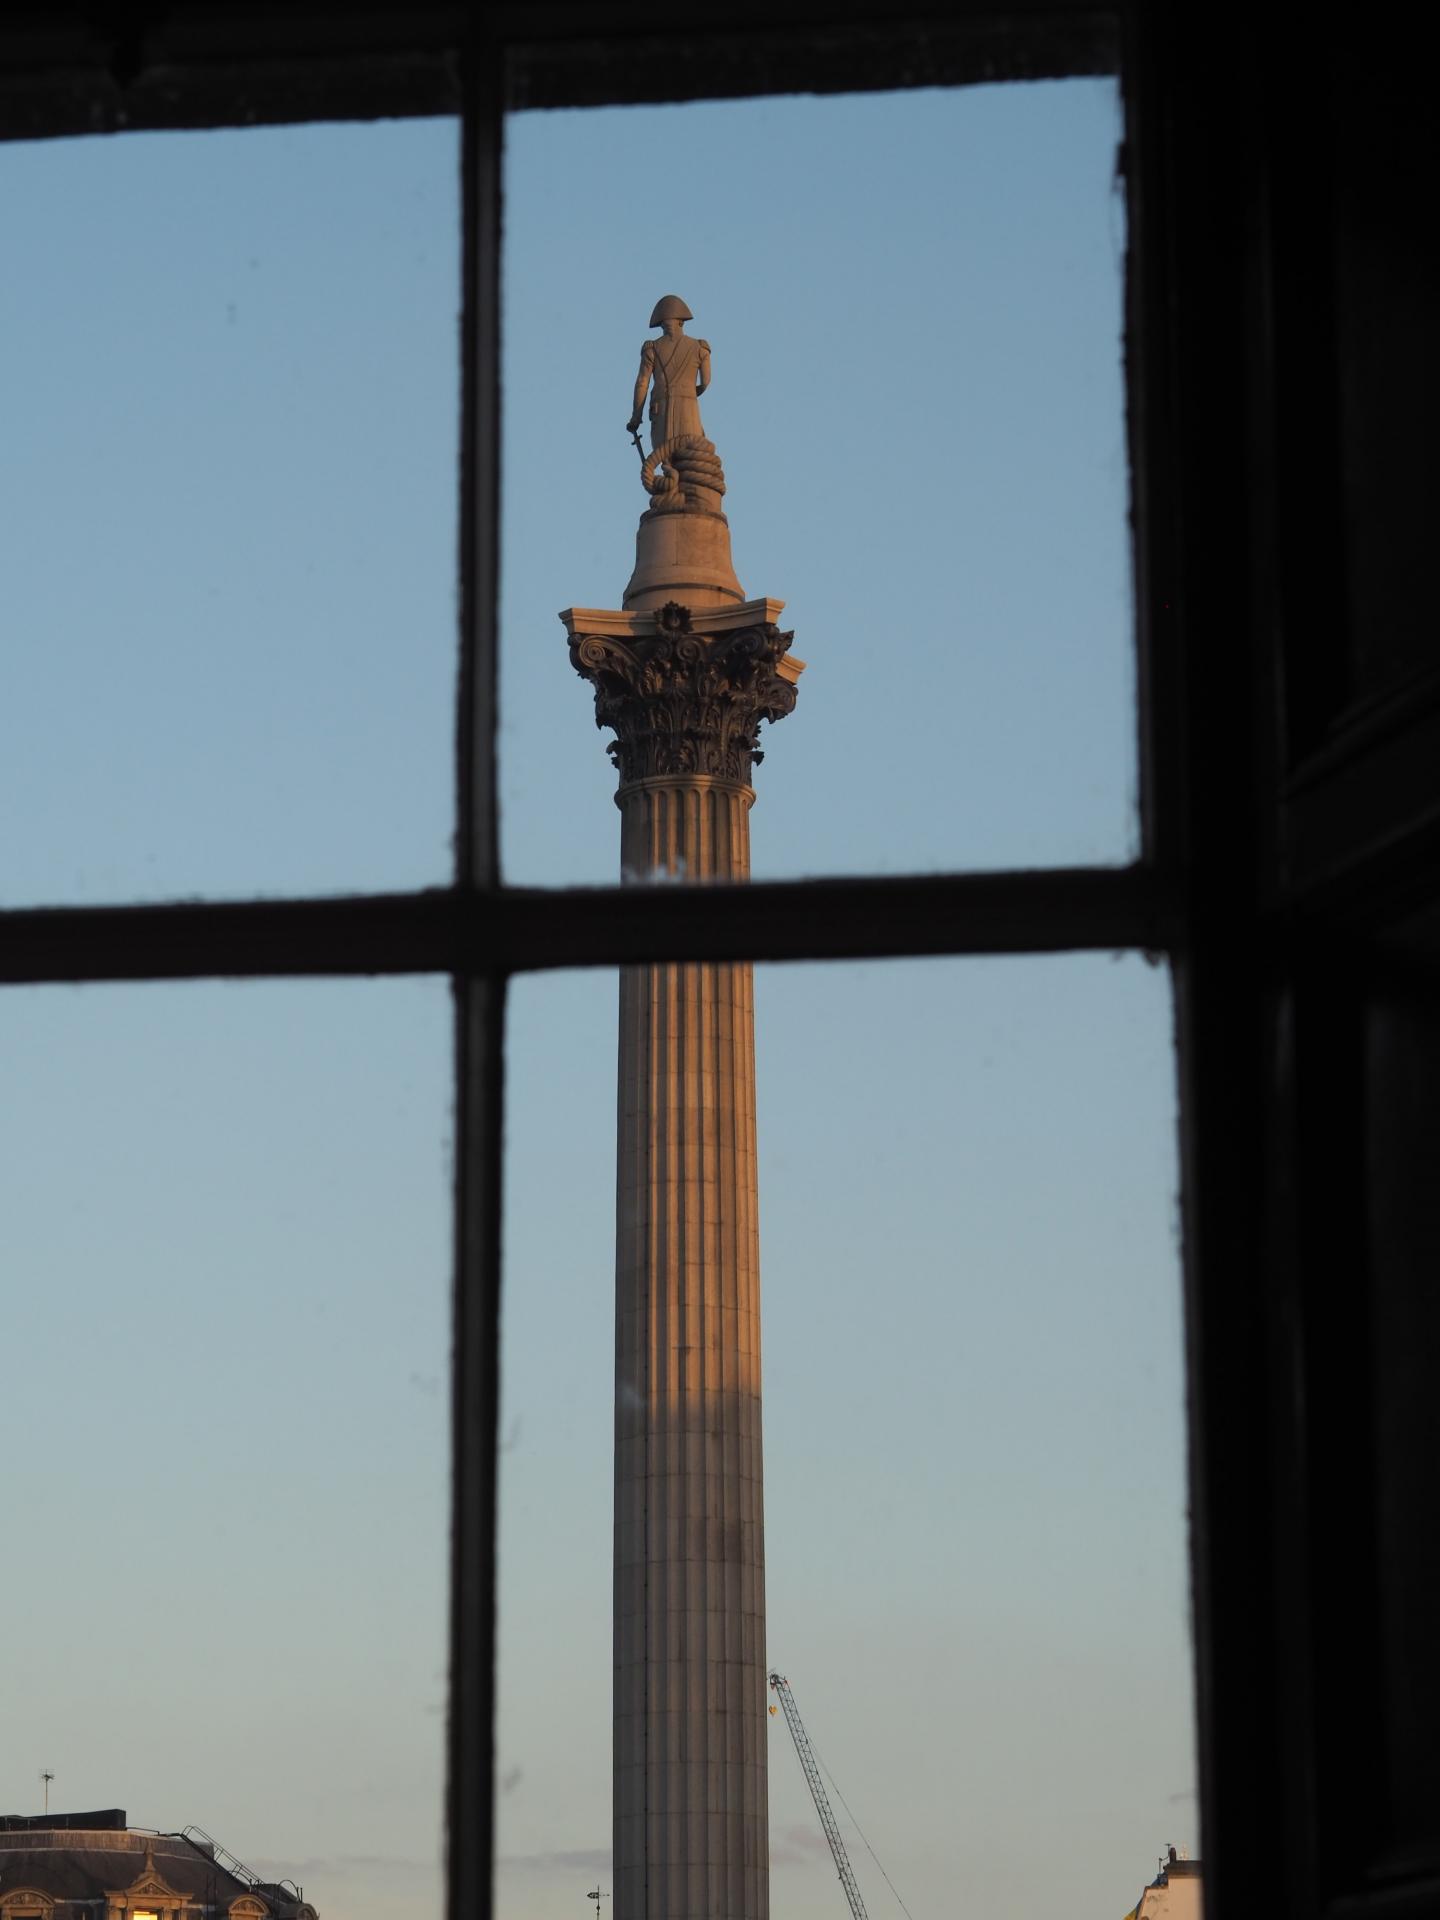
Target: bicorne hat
[672, 307]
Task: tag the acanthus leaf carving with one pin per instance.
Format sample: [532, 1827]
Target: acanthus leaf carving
[682, 702]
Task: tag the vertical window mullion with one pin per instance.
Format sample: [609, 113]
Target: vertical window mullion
[477, 857]
[479, 1130]
[479, 1023]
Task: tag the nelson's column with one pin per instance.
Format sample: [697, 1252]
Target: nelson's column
[684, 673]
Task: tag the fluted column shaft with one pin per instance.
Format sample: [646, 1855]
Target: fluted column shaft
[690, 1824]
[685, 692]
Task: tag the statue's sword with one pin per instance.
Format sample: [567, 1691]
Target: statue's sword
[635, 436]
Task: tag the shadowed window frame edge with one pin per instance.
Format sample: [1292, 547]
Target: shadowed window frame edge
[479, 931]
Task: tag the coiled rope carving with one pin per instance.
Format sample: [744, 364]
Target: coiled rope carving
[688, 464]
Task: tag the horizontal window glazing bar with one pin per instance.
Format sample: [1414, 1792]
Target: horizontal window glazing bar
[518, 930]
[72, 71]
[558, 56]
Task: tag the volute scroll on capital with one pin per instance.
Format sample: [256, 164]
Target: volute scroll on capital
[682, 702]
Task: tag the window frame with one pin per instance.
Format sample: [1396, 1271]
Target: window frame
[1201, 894]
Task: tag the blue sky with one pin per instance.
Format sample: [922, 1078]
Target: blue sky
[229, 513]
[914, 309]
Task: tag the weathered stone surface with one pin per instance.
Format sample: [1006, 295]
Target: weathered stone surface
[691, 1830]
[686, 698]
[683, 675]
[679, 369]
[684, 557]
[682, 547]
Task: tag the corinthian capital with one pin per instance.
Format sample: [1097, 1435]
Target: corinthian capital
[686, 700]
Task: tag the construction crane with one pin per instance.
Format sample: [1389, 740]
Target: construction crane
[818, 1794]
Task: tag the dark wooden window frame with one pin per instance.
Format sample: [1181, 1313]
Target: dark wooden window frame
[1260, 929]
[480, 931]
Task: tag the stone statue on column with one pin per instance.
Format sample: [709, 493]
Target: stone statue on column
[680, 369]
[684, 673]
[682, 469]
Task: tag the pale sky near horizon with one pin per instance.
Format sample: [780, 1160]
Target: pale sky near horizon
[228, 515]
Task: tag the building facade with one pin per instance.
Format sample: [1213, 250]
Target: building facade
[1175, 1892]
[93, 1866]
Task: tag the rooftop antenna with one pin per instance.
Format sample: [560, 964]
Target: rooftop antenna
[47, 1777]
[597, 1896]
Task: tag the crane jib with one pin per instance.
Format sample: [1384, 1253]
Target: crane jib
[811, 1769]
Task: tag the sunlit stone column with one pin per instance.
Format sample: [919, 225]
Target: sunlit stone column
[685, 688]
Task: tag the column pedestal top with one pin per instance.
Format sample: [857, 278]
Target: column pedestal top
[631, 624]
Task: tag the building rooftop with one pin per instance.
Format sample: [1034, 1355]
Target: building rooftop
[98, 1862]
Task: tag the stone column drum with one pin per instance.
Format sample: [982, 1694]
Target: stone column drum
[685, 690]
[683, 675]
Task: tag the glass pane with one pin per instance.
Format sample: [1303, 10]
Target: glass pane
[228, 494]
[226, 1247]
[975, 1558]
[914, 306]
